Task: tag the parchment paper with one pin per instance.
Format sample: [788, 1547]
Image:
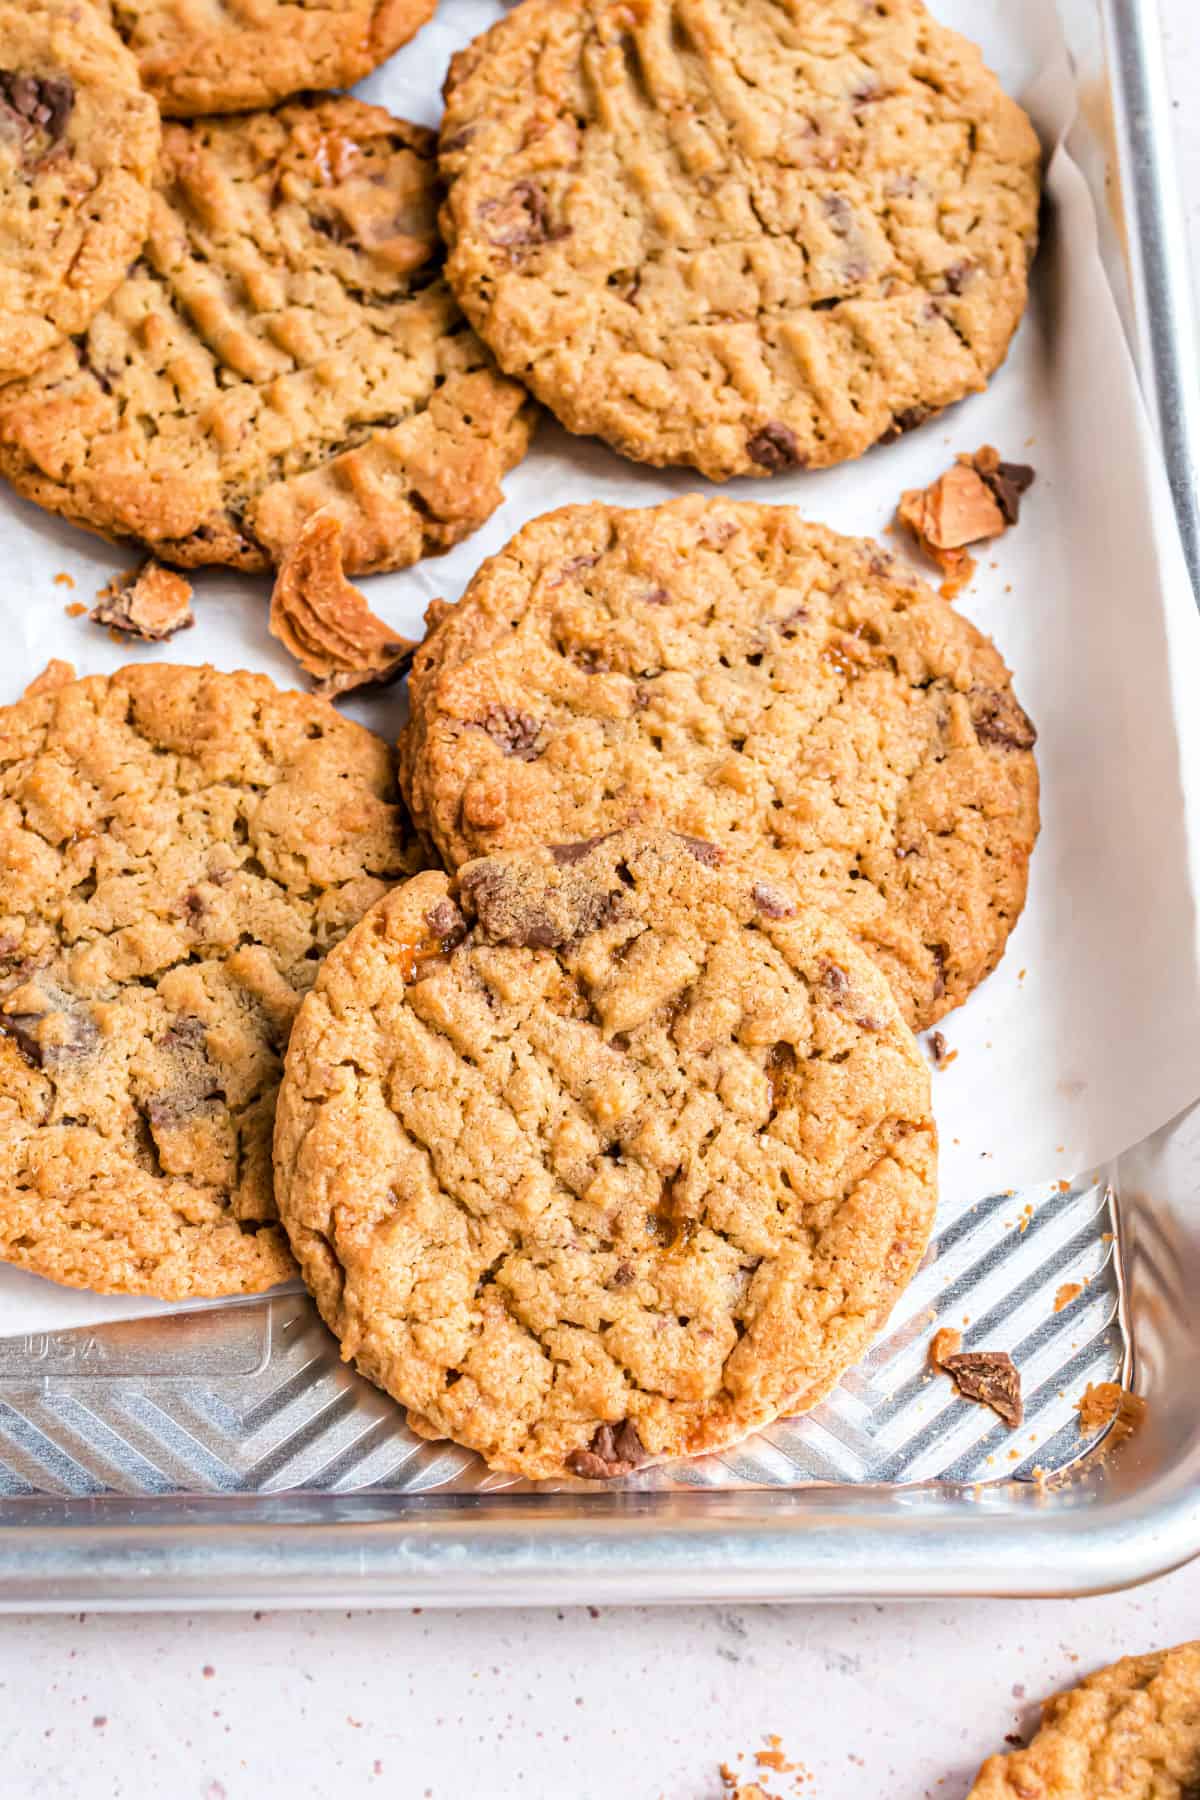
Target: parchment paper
[1088, 1035]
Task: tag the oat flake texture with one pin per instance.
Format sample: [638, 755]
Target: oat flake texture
[745, 235]
[285, 344]
[78, 142]
[229, 57]
[178, 849]
[1131, 1732]
[732, 671]
[601, 1154]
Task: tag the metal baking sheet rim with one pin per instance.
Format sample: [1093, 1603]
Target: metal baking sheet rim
[1110, 1525]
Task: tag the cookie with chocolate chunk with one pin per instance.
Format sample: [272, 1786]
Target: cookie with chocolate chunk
[78, 140]
[602, 1154]
[228, 59]
[745, 236]
[178, 850]
[285, 345]
[732, 671]
[1130, 1732]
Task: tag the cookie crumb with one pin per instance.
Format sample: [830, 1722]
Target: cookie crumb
[151, 603]
[942, 1056]
[1070, 1290]
[324, 621]
[1105, 1403]
[75, 610]
[991, 1378]
[56, 674]
[977, 499]
[62, 579]
[944, 1343]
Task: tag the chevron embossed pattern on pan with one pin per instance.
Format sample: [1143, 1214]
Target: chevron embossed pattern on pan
[273, 1410]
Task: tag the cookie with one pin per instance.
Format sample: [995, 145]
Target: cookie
[232, 59]
[736, 234]
[1131, 1732]
[286, 345]
[78, 142]
[178, 849]
[734, 672]
[602, 1154]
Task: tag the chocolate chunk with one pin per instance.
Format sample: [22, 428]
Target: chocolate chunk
[171, 1109]
[838, 211]
[702, 850]
[532, 917]
[992, 1378]
[937, 1048]
[522, 219]
[515, 732]
[1007, 481]
[572, 568]
[774, 447]
[592, 662]
[614, 1450]
[836, 983]
[938, 954]
[958, 274]
[999, 720]
[907, 420]
[657, 596]
[42, 1039]
[565, 854]
[332, 226]
[184, 1033]
[771, 901]
[446, 923]
[622, 1275]
[37, 104]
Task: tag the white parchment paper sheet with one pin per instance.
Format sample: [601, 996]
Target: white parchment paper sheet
[1088, 1035]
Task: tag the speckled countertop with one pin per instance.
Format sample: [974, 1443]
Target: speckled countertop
[866, 1701]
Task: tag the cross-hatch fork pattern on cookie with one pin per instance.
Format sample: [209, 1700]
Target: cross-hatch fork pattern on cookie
[602, 1155]
[286, 344]
[732, 671]
[747, 235]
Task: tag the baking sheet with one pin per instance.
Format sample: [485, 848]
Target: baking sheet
[1088, 1035]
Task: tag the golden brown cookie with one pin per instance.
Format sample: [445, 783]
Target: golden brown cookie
[78, 141]
[178, 849]
[601, 1154]
[737, 234]
[285, 345]
[222, 58]
[1131, 1732]
[735, 672]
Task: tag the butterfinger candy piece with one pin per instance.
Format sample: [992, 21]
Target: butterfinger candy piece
[151, 603]
[325, 621]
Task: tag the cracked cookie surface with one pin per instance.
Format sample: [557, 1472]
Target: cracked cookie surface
[285, 345]
[738, 234]
[229, 58]
[735, 672]
[178, 849]
[603, 1154]
[78, 141]
[1130, 1732]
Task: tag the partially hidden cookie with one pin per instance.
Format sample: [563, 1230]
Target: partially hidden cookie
[739, 235]
[602, 1154]
[78, 142]
[286, 344]
[219, 59]
[178, 850]
[732, 671]
[1131, 1732]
